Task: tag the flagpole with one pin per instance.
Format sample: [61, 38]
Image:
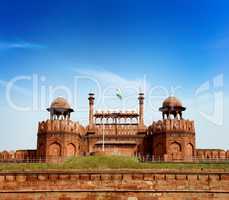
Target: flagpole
[103, 134]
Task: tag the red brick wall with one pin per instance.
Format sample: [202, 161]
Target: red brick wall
[112, 185]
[20, 155]
[215, 154]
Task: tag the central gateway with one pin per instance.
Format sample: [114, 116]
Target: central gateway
[114, 133]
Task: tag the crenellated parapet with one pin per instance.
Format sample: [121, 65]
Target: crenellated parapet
[60, 126]
[172, 125]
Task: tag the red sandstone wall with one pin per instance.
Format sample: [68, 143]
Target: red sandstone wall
[112, 185]
[20, 155]
[212, 154]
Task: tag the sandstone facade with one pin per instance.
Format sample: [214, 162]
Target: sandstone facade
[116, 132]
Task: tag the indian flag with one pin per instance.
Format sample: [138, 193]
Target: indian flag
[119, 94]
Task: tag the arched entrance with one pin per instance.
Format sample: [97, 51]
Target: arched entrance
[71, 150]
[175, 150]
[54, 150]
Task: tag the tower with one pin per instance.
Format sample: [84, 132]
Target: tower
[91, 99]
[173, 137]
[59, 137]
[141, 109]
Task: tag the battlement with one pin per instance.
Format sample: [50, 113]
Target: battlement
[60, 125]
[116, 114]
[172, 125]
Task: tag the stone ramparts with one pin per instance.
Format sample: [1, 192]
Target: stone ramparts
[172, 125]
[115, 184]
[60, 126]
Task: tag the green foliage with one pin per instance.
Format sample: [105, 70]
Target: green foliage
[108, 162]
[101, 162]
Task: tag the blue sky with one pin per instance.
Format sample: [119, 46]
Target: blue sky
[120, 43]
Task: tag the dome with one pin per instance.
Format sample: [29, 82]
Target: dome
[60, 103]
[172, 102]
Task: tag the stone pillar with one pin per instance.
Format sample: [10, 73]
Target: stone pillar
[91, 109]
[51, 114]
[180, 115]
[141, 109]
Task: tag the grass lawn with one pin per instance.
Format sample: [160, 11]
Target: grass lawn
[109, 162]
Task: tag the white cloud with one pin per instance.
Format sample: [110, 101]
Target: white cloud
[20, 45]
[107, 78]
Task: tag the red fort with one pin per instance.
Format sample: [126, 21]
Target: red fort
[117, 133]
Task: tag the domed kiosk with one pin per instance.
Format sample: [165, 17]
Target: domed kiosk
[60, 109]
[172, 107]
